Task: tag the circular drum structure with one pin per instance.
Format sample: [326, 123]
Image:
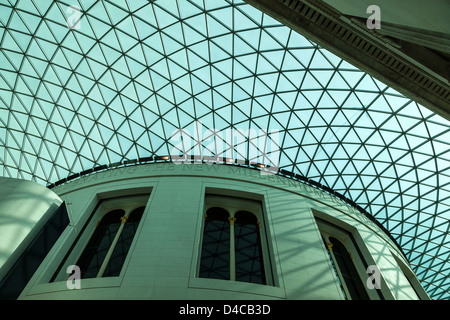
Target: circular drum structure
[200, 231]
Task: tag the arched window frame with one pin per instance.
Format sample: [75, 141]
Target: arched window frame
[127, 209]
[126, 203]
[328, 230]
[234, 205]
[111, 224]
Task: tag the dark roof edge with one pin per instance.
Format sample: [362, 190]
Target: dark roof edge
[240, 163]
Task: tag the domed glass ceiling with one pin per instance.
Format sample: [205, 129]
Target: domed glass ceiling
[90, 83]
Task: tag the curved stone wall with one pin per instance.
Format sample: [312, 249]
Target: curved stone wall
[164, 257]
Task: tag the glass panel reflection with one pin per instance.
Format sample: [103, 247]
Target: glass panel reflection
[95, 252]
[123, 244]
[215, 256]
[248, 252]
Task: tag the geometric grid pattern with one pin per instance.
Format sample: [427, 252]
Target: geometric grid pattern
[116, 85]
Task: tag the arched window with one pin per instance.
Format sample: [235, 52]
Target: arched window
[232, 242]
[123, 244]
[248, 252]
[333, 265]
[105, 253]
[347, 270]
[215, 255]
[99, 244]
[347, 261]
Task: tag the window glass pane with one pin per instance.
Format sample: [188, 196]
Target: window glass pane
[334, 269]
[99, 244]
[123, 244]
[348, 271]
[215, 258]
[248, 253]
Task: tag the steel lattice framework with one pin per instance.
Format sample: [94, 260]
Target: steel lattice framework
[90, 83]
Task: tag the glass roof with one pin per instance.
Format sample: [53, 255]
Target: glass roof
[90, 83]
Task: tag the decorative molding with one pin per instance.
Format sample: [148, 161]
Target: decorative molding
[367, 50]
[123, 219]
[330, 246]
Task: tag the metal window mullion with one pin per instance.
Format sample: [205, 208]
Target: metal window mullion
[232, 219]
[113, 245]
